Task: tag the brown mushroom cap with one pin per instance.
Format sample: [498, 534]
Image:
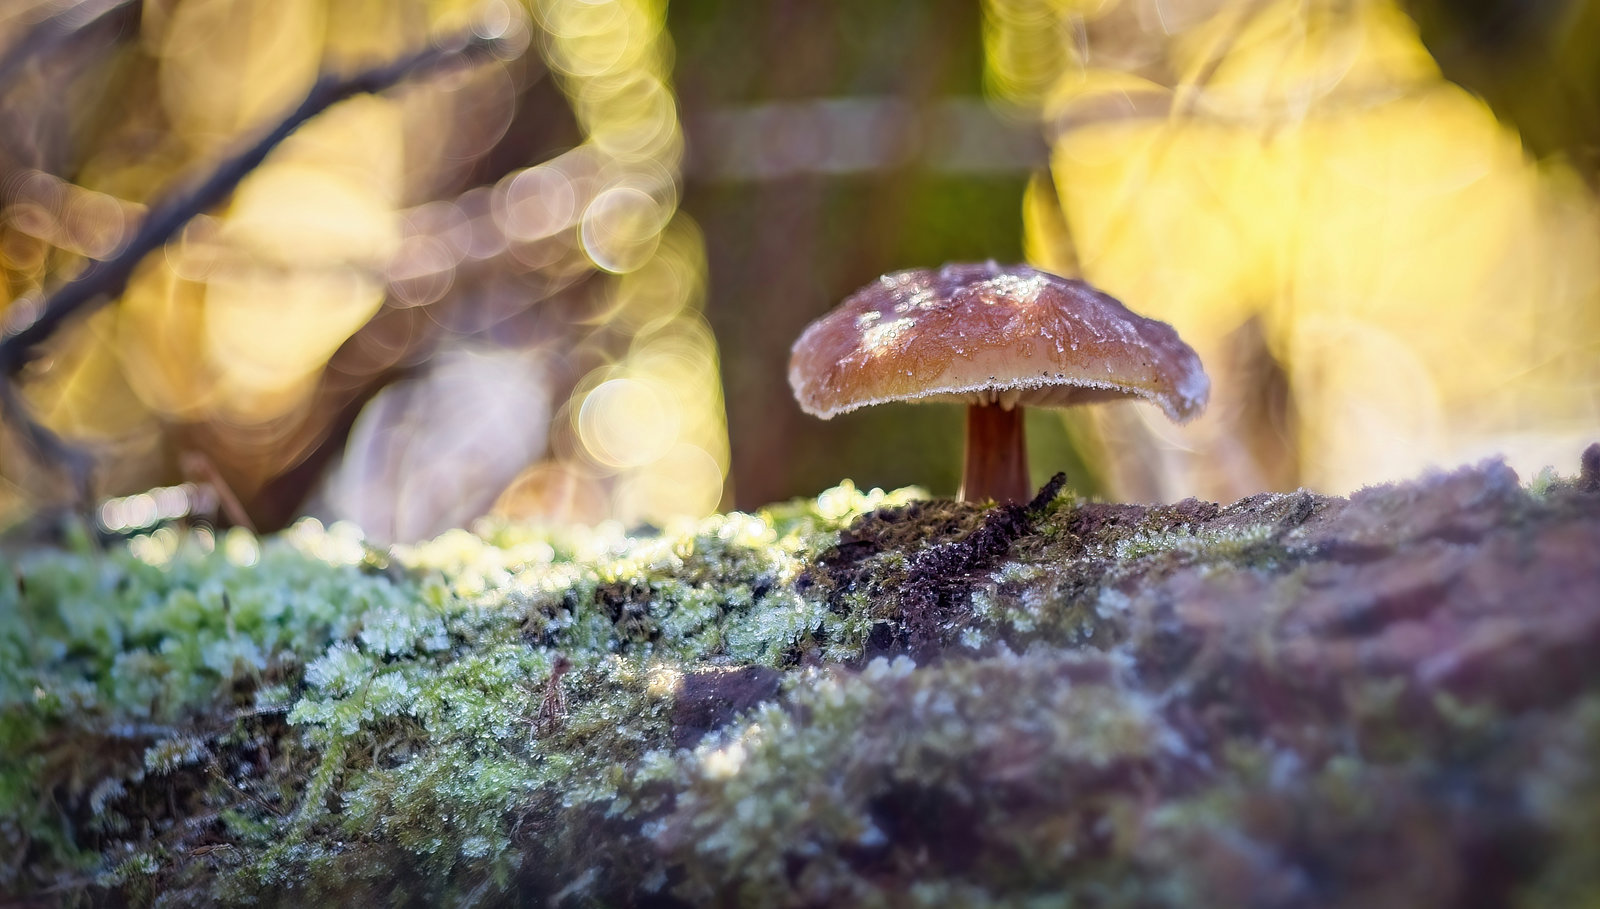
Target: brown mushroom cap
[983, 334]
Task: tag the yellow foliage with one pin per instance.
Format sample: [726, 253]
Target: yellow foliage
[161, 331]
[266, 332]
[223, 340]
[1427, 289]
[228, 66]
[79, 395]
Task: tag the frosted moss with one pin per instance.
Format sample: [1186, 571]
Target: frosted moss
[314, 696]
[861, 699]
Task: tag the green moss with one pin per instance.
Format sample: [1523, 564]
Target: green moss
[416, 694]
[902, 766]
[126, 663]
[901, 702]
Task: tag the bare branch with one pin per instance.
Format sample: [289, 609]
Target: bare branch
[105, 280]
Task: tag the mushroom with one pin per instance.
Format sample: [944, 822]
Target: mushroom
[996, 339]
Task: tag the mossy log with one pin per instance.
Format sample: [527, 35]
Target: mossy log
[865, 699]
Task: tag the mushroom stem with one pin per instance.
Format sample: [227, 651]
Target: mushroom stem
[997, 457]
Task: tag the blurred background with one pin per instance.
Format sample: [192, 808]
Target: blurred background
[563, 284]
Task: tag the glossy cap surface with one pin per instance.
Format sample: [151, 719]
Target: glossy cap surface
[986, 334]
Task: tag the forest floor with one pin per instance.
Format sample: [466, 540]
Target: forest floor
[1391, 699]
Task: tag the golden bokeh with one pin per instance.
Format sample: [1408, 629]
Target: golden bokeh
[1303, 171]
[1378, 274]
[265, 318]
[651, 437]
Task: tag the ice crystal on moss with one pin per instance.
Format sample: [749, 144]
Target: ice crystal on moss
[168, 755]
[860, 699]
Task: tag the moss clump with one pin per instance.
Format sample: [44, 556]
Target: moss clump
[325, 724]
[127, 676]
[855, 700]
[1012, 778]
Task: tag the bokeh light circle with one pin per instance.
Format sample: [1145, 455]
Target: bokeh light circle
[621, 228]
[625, 423]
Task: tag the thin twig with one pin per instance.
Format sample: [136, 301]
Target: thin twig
[216, 771]
[105, 280]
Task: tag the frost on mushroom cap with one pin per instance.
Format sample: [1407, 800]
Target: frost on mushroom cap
[986, 334]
